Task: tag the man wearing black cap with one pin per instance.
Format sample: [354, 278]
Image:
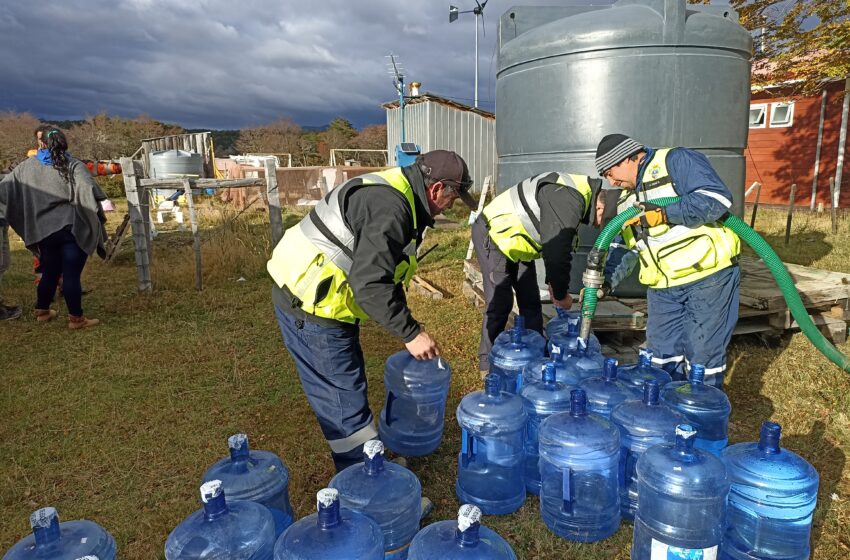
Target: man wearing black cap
[534, 218]
[687, 258]
[348, 260]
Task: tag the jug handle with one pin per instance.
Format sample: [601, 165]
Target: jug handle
[518, 383]
[390, 398]
[628, 460]
[468, 448]
[567, 489]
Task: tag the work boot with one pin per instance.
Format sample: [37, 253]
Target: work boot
[9, 312]
[44, 315]
[75, 322]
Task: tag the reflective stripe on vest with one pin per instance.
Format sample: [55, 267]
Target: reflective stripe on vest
[672, 255]
[513, 217]
[314, 258]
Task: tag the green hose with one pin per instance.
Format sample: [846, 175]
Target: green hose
[762, 249]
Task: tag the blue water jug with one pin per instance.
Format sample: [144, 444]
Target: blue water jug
[643, 370]
[707, 409]
[681, 501]
[607, 391]
[533, 371]
[386, 492]
[465, 539]
[567, 338]
[773, 496]
[331, 533]
[412, 420]
[642, 424]
[491, 463]
[542, 399]
[255, 476]
[561, 321]
[238, 529]
[51, 540]
[507, 360]
[579, 456]
[533, 339]
[583, 364]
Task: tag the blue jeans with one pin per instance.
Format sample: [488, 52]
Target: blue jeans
[60, 255]
[693, 324]
[330, 365]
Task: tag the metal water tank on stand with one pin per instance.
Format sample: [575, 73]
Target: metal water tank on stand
[174, 163]
[665, 72]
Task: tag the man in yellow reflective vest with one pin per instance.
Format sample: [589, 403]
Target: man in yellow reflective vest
[688, 260]
[349, 260]
[536, 217]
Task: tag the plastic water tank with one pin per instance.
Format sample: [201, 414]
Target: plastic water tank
[607, 391]
[491, 462]
[542, 399]
[642, 424]
[579, 456]
[412, 420]
[643, 370]
[237, 529]
[386, 492]
[51, 540]
[174, 163]
[706, 408]
[509, 358]
[773, 496]
[682, 495]
[333, 532]
[465, 539]
[256, 476]
[664, 52]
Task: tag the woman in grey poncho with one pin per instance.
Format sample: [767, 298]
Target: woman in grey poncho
[53, 203]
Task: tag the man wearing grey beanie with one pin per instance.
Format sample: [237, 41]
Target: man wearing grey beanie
[688, 260]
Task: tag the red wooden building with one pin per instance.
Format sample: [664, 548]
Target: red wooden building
[782, 148]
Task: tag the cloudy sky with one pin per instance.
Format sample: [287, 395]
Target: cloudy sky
[231, 64]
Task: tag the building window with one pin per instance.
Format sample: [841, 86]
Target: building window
[781, 115]
[757, 115]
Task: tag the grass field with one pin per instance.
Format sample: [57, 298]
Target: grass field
[117, 424]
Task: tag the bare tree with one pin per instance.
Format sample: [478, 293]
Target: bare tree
[16, 136]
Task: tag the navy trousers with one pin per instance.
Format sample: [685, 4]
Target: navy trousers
[60, 256]
[502, 278]
[330, 365]
[693, 324]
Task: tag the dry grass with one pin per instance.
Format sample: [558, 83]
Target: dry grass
[117, 424]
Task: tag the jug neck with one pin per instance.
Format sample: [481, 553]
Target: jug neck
[468, 524]
[469, 537]
[45, 526]
[239, 451]
[328, 508]
[573, 328]
[549, 377]
[645, 357]
[609, 371]
[212, 495]
[493, 385]
[697, 375]
[516, 335]
[373, 457]
[651, 389]
[519, 323]
[769, 440]
[578, 403]
[685, 439]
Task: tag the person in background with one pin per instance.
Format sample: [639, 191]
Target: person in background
[349, 260]
[53, 203]
[688, 260]
[536, 217]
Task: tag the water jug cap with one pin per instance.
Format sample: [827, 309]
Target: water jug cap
[89, 557]
[467, 516]
[645, 356]
[373, 447]
[210, 490]
[697, 373]
[578, 402]
[555, 350]
[610, 369]
[236, 441]
[685, 431]
[572, 326]
[493, 384]
[42, 518]
[326, 497]
[549, 375]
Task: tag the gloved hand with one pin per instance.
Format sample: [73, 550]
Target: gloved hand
[651, 215]
[600, 292]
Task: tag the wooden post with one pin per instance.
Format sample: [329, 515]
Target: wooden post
[817, 150]
[141, 240]
[275, 215]
[481, 200]
[790, 213]
[833, 197]
[755, 206]
[196, 236]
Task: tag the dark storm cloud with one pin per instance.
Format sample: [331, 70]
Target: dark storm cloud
[225, 64]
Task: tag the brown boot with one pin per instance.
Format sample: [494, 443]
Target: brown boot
[75, 322]
[44, 315]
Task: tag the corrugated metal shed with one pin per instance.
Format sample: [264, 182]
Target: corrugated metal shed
[437, 123]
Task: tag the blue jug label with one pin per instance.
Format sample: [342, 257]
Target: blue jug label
[661, 551]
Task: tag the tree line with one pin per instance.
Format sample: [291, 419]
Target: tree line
[105, 137]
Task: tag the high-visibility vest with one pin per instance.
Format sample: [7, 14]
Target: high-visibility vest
[314, 258]
[513, 217]
[672, 255]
